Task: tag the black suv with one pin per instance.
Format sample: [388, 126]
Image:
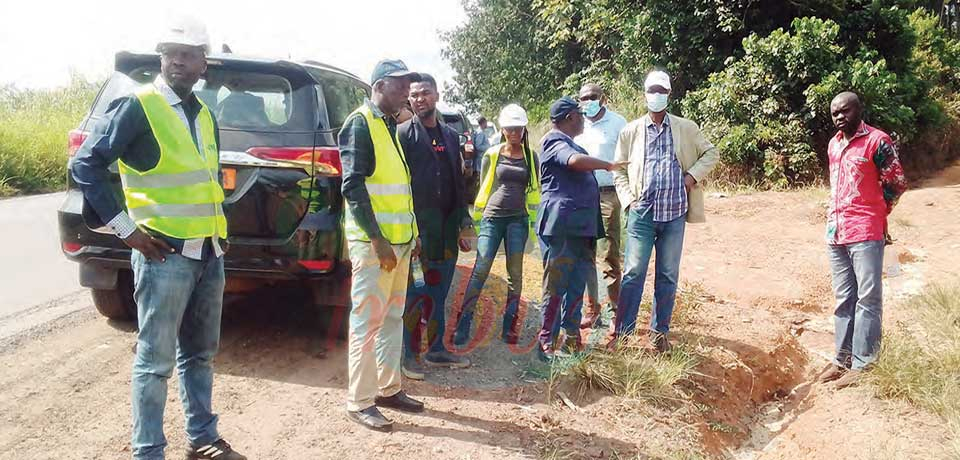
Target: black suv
[278, 123]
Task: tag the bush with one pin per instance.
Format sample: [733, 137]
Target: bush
[33, 135]
[769, 111]
[755, 110]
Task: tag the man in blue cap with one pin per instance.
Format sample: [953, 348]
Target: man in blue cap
[568, 223]
[382, 236]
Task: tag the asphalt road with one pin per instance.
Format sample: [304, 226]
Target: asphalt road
[37, 283]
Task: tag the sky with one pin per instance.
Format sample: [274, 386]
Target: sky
[43, 41]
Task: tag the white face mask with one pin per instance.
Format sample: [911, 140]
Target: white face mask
[657, 102]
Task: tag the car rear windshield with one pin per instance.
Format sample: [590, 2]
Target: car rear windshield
[341, 94]
[240, 99]
[455, 122]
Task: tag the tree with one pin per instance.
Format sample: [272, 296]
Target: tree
[499, 58]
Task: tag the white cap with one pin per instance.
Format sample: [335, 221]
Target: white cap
[512, 115]
[657, 78]
[185, 31]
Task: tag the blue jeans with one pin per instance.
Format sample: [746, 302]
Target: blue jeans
[178, 309]
[567, 262]
[858, 287]
[643, 235]
[512, 231]
[428, 297]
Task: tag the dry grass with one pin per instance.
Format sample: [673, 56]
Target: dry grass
[632, 372]
[921, 363]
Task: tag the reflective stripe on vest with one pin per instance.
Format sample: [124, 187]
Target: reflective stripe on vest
[181, 196]
[532, 198]
[388, 187]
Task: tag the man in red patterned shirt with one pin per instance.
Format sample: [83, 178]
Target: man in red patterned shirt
[866, 180]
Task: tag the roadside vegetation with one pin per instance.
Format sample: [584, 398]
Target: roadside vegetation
[758, 76]
[632, 370]
[33, 135]
[920, 362]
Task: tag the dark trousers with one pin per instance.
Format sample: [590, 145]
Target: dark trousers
[567, 261]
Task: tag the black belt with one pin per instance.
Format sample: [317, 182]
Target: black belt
[608, 188]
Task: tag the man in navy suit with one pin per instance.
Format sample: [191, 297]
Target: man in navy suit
[432, 151]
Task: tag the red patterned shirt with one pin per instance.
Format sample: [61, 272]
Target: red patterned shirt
[866, 180]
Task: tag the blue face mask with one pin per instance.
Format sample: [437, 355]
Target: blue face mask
[592, 108]
[657, 102]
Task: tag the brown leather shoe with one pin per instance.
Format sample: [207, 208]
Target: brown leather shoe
[849, 379]
[591, 316]
[830, 373]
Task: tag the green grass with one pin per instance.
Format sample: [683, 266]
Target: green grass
[33, 135]
[921, 363]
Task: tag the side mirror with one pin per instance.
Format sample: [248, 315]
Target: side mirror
[463, 140]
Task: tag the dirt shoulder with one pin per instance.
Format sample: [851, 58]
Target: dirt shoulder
[761, 328]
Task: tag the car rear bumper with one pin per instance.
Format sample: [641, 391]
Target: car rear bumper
[275, 260]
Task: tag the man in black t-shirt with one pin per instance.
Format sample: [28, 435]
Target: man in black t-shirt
[432, 150]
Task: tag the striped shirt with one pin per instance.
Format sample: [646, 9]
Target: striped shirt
[664, 193]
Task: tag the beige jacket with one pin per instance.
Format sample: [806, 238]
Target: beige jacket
[696, 154]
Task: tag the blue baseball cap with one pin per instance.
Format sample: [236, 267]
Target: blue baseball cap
[392, 68]
[562, 107]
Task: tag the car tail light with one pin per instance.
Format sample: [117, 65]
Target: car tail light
[71, 247]
[75, 139]
[317, 265]
[326, 162]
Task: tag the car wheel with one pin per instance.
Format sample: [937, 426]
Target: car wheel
[117, 303]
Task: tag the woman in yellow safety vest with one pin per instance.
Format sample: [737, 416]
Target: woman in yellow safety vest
[506, 207]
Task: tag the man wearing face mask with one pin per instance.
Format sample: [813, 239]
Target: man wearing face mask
[601, 128]
[669, 157]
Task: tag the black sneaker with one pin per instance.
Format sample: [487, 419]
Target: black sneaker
[400, 402]
[219, 450]
[446, 359]
[371, 418]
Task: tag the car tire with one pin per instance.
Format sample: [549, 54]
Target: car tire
[117, 303]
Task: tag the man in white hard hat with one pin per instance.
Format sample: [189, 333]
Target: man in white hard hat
[669, 157]
[166, 144]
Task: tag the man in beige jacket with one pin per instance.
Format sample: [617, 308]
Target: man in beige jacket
[669, 157]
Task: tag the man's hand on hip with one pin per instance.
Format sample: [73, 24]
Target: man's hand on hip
[152, 248]
[384, 251]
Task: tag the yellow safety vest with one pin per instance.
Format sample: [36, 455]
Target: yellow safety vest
[486, 185]
[181, 196]
[388, 187]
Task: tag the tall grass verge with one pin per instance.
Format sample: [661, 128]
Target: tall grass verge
[920, 363]
[33, 135]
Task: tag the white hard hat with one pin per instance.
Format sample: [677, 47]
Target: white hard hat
[185, 31]
[657, 78]
[512, 115]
